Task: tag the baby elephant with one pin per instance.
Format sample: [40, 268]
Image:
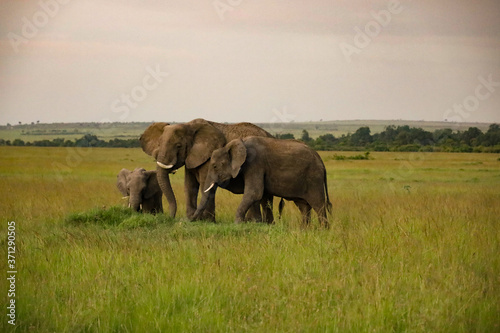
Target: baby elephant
[283, 168]
[142, 189]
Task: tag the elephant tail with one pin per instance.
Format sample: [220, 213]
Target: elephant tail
[328, 203]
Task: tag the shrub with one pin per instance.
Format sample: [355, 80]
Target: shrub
[409, 148]
[365, 156]
[380, 147]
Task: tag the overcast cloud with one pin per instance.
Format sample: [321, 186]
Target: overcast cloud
[249, 60]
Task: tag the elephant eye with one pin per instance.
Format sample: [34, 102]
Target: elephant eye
[178, 145]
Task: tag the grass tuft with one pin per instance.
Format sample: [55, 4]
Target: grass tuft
[143, 220]
[121, 217]
[101, 216]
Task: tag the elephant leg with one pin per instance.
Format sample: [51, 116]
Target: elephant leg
[209, 213]
[305, 210]
[252, 196]
[158, 204]
[206, 201]
[318, 203]
[244, 206]
[253, 213]
[191, 187]
[267, 208]
[153, 205]
[147, 206]
[280, 207]
[254, 190]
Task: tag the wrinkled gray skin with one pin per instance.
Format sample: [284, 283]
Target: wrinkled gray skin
[142, 189]
[191, 145]
[283, 168]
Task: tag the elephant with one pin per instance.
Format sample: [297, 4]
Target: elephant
[191, 145]
[142, 189]
[282, 168]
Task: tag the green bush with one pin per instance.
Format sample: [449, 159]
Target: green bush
[426, 149]
[380, 147]
[409, 148]
[365, 156]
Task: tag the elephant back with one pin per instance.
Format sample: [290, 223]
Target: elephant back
[240, 130]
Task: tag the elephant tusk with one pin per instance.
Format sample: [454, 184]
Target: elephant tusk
[164, 166]
[208, 189]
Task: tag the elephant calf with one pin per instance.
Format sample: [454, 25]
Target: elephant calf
[142, 189]
[282, 168]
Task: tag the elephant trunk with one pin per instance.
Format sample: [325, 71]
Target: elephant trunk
[166, 188]
[211, 181]
[135, 203]
[206, 196]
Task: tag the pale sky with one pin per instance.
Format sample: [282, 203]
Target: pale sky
[249, 60]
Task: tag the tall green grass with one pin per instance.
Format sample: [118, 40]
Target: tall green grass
[413, 247]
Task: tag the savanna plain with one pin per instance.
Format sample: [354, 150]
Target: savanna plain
[414, 246]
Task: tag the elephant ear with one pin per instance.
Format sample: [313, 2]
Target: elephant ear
[152, 186]
[150, 139]
[206, 139]
[238, 154]
[121, 181]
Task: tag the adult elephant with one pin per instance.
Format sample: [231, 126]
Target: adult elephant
[142, 190]
[284, 168]
[191, 145]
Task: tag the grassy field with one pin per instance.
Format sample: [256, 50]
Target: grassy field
[414, 247]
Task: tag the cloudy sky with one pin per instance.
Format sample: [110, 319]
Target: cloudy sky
[249, 60]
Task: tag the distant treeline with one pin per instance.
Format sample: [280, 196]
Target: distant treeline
[50, 132]
[405, 138]
[88, 140]
[400, 138]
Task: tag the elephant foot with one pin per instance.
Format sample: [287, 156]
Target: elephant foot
[194, 216]
[209, 218]
[239, 220]
[200, 216]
